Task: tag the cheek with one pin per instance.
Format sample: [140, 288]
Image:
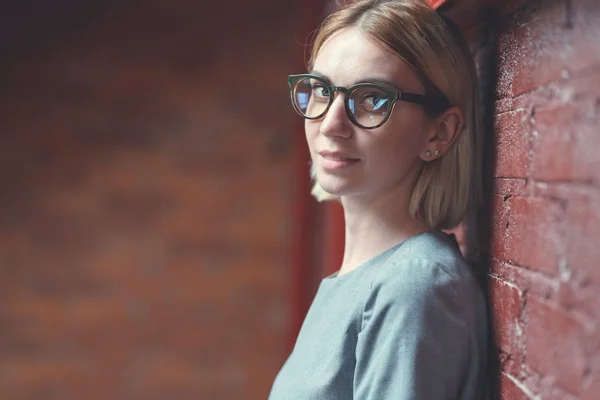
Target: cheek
[311, 131]
[401, 145]
[391, 156]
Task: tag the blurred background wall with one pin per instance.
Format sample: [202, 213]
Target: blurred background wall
[145, 197]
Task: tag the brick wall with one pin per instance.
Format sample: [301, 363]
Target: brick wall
[544, 276]
[145, 198]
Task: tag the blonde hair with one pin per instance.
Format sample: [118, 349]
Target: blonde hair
[437, 52]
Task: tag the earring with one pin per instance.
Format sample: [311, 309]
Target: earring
[436, 152]
[428, 153]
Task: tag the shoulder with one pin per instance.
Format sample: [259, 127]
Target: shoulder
[427, 271]
[424, 260]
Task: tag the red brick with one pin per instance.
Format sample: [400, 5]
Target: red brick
[507, 54]
[506, 304]
[527, 280]
[583, 251]
[550, 391]
[584, 51]
[549, 64]
[564, 192]
[499, 224]
[537, 98]
[510, 187]
[507, 7]
[503, 105]
[592, 387]
[539, 49]
[509, 390]
[555, 344]
[583, 86]
[534, 234]
[564, 143]
[512, 144]
[578, 297]
[553, 144]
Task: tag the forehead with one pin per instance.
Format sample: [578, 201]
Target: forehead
[348, 57]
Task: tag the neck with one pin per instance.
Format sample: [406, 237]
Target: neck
[375, 224]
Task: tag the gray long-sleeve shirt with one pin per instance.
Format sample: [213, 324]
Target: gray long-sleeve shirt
[409, 324]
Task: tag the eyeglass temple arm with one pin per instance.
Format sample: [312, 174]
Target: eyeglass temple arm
[414, 98]
[423, 99]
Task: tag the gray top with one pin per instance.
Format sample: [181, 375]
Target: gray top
[408, 324]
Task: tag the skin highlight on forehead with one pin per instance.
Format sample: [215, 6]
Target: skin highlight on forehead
[349, 57]
[373, 80]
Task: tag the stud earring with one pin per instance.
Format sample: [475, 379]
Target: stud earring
[436, 152]
[428, 153]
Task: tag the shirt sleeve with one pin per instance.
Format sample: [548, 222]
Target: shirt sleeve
[414, 342]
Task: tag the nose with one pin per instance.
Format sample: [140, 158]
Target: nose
[336, 122]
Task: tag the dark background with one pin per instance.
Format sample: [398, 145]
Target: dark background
[145, 204]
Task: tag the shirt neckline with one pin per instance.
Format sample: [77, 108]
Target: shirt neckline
[388, 252]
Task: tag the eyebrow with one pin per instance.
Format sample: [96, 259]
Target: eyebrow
[376, 81]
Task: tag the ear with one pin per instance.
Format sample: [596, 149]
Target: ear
[444, 130]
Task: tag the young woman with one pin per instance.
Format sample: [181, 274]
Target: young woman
[391, 121]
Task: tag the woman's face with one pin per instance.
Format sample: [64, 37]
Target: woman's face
[349, 160]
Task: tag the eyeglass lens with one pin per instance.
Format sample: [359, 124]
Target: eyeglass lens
[368, 106]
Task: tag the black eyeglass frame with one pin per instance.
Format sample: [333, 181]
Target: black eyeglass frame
[432, 104]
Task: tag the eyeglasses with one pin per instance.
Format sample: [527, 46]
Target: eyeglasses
[367, 105]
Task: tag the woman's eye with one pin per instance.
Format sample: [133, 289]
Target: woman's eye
[320, 91]
[374, 102]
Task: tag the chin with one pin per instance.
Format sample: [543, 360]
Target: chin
[334, 186]
[336, 189]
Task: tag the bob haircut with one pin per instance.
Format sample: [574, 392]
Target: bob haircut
[435, 49]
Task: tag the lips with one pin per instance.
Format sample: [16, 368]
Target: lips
[337, 156]
[333, 160]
